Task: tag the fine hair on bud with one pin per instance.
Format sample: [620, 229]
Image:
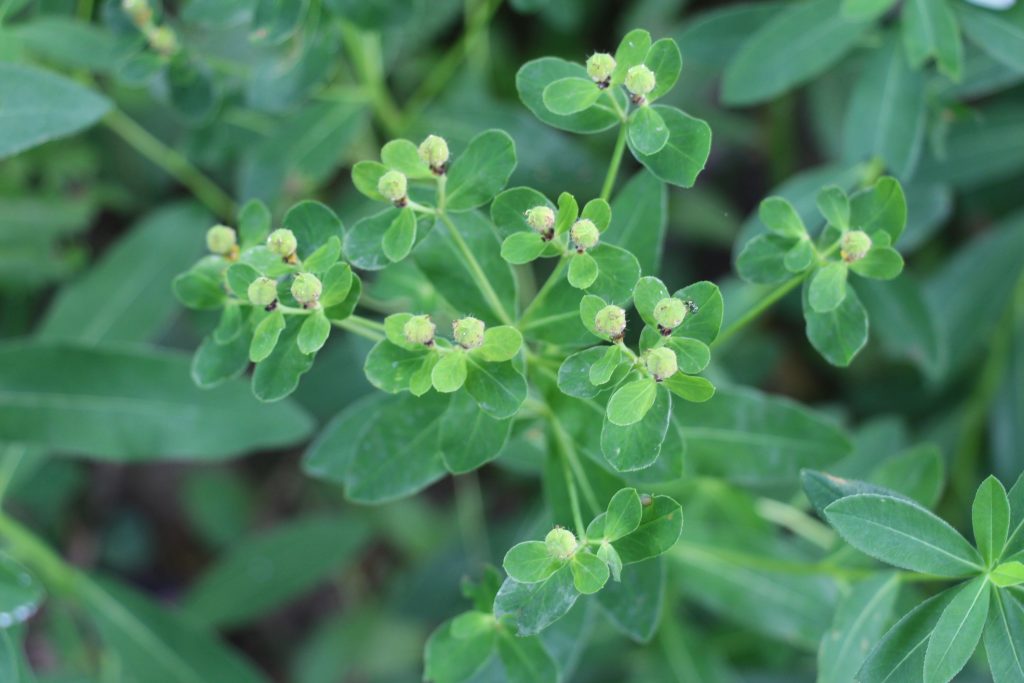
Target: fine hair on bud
[855, 246]
[611, 321]
[220, 239]
[669, 314]
[661, 363]
[282, 242]
[468, 332]
[419, 329]
[639, 81]
[263, 292]
[542, 220]
[585, 234]
[434, 153]
[600, 66]
[560, 543]
[306, 289]
[394, 186]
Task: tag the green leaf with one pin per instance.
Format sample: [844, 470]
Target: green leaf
[364, 241]
[692, 355]
[998, 34]
[366, 175]
[449, 374]
[834, 206]
[880, 263]
[570, 95]
[958, 631]
[508, 210]
[632, 50]
[866, 10]
[665, 60]
[324, 257]
[74, 44]
[21, 594]
[522, 247]
[779, 216]
[639, 220]
[452, 660]
[239, 276]
[763, 260]
[623, 516]
[403, 155]
[828, 287]
[265, 336]
[525, 660]
[706, 321]
[202, 286]
[12, 660]
[583, 270]
[631, 402]
[602, 370]
[589, 307]
[1015, 539]
[610, 556]
[399, 238]
[500, 344]
[278, 374]
[574, 375]
[267, 570]
[530, 562]
[214, 363]
[618, 272]
[660, 527]
[41, 106]
[638, 445]
[990, 515]
[1008, 574]
[918, 473]
[337, 285]
[314, 332]
[688, 388]
[568, 210]
[646, 295]
[589, 573]
[498, 388]
[902, 534]
[800, 256]
[930, 30]
[648, 133]
[860, 620]
[1004, 638]
[481, 171]
[535, 76]
[683, 157]
[634, 605]
[840, 334]
[470, 437]
[532, 607]
[598, 211]
[899, 656]
[793, 47]
[313, 224]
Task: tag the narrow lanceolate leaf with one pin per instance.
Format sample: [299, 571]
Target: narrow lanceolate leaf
[1000, 34]
[899, 656]
[991, 517]
[957, 631]
[1008, 574]
[860, 620]
[930, 31]
[903, 534]
[1004, 638]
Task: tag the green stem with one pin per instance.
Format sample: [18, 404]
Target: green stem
[10, 460]
[469, 509]
[476, 271]
[764, 304]
[364, 51]
[173, 162]
[364, 327]
[569, 452]
[27, 548]
[574, 497]
[796, 521]
[553, 279]
[613, 167]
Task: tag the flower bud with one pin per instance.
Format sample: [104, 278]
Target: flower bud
[468, 332]
[393, 186]
[611, 321]
[138, 10]
[661, 363]
[220, 239]
[306, 289]
[434, 153]
[263, 292]
[585, 234]
[669, 314]
[600, 66]
[163, 40]
[561, 543]
[541, 219]
[855, 245]
[639, 82]
[282, 242]
[419, 329]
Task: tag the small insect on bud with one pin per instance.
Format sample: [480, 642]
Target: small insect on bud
[600, 66]
[542, 219]
[220, 239]
[561, 543]
[585, 235]
[434, 153]
[282, 242]
[661, 363]
[468, 332]
[855, 246]
[163, 40]
[669, 314]
[639, 81]
[263, 292]
[419, 329]
[393, 185]
[611, 321]
[306, 289]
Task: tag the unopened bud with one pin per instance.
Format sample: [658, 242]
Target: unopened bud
[138, 10]
[163, 40]
[468, 332]
[393, 185]
[263, 292]
[419, 329]
[661, 363]
[561, 543]
[611, 321]
[639, 81]
[585, 234]
[669, 314]
[282, 242]
[855, 246]
[306, 289]
[434, 153]
[220, 239]
[600, 66]
[541, 219]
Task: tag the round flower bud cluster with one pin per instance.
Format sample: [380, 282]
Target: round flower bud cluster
[263, 292]
[283, 243]
[306, 289]
[669, 314]
[419, 329]
[611, 321]
[560, 543]
[661, 363]
[394, 186]
[855, 246]
[220, 239]
[434, 153]
[468, 332]
[600, 66]
[541, 219]
[585, 235]
[639, 81]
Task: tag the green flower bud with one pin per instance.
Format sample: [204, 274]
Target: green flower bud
[600, 66]
[263, 292]
[419, 329]
[855, 245]
[561, 543]
[585, 234]
[306, 289]
[282, 242]
[393, 185]
[434, 152]
[220, 239]
[138, 10]
[661, 363]
[611, 321]
[541, 219]
[468, 332]
[163, 40]
[639, 82]
[669, 314]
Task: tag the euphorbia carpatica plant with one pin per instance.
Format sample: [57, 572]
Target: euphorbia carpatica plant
[594, 356]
